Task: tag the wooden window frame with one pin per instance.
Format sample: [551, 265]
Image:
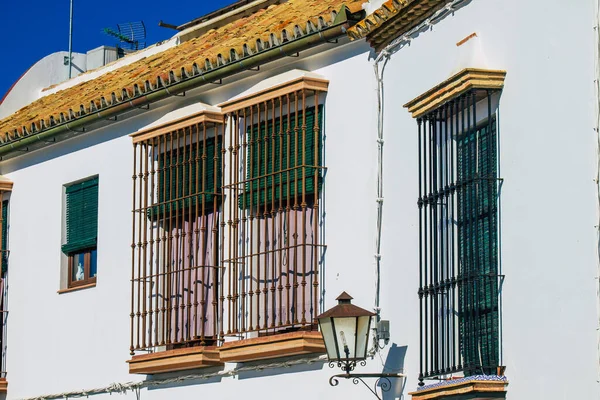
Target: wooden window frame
[87, 263]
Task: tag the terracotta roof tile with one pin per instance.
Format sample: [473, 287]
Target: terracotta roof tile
[260, 25]
[392, 19]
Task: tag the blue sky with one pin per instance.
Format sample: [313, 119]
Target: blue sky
[32, 29]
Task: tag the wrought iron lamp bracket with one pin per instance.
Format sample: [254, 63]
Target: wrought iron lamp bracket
[382, 380]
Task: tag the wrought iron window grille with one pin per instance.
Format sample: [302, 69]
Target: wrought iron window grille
[460, 277]
[177, 196]
[272, 214]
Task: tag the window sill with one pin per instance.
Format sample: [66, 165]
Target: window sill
[174, 360]
[479, 389]
[76, 288]
[283, 345]
[3, 385]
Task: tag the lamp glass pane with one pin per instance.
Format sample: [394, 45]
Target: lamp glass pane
[363, 336]
[328, 337]
[345, 332]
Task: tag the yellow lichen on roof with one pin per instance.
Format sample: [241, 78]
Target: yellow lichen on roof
[260, 25]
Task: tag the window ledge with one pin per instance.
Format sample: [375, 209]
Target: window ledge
[76, 288]
[174, 360]
[3, 385]
[283, 345]
[480, 388]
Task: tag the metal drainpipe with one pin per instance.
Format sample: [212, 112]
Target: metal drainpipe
[214, 75]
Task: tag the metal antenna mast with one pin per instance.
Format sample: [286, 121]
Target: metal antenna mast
[70, 39]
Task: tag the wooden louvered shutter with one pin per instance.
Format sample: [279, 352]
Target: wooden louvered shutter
[81, 216]
[263, 167]
[177, 177]
[211, 186]
[478, 252]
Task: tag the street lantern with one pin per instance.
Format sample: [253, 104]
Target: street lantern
[345, 329]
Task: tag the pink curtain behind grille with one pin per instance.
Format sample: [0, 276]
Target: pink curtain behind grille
[192, 280]
[279, 273]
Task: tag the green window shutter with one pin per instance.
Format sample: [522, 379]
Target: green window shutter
[270, 174]
[478, 252]
[178, 173]
[5, 236]
[81, 216]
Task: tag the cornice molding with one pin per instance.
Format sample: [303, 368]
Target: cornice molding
[6, 185]
[295, 85]
[202, 117]
[466, 80]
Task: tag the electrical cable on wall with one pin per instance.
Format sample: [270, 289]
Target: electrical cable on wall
[123, 388]
[379, 217]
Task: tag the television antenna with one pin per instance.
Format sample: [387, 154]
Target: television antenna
[131, 35]
[70, 60]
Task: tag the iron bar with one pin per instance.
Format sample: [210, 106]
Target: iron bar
[425, 315]
[421, 294]
[132, 314]
[435, 244]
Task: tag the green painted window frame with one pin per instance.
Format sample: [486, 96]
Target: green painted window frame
[479, 308]
[270, 176]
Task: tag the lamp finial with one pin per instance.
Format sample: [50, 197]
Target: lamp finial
[344, 298]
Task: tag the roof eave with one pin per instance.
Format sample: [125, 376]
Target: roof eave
[337, 29]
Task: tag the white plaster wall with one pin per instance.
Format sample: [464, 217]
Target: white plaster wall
[547, 160]
[80, 340]
[48, 71]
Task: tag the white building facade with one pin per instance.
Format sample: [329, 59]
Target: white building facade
[256, 191]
